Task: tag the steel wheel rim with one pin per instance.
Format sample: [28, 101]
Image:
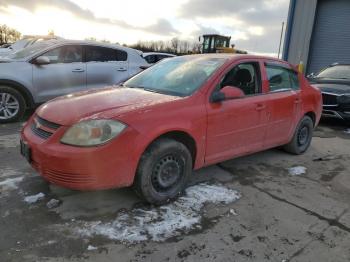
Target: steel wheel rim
[9, 106]
[167, 172]
[303, 136]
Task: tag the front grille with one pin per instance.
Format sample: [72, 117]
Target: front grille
[47, 123]
[43, 128]
[40, 132]
[329, 99]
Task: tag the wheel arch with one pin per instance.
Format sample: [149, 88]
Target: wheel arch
[21, 89]
[182, 137]
[312, 115]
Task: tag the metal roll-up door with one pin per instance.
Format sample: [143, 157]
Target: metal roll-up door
[330, 41]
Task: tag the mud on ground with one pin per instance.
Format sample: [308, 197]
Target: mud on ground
[262, 211]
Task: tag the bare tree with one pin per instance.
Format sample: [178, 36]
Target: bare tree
[8, 35]
[196, 47]
[175, 44]
[91, 38]
[184, 47]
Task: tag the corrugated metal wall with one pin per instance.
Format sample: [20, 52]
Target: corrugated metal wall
[300, 31]
[330, 41]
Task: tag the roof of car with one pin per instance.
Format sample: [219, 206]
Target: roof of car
[89, 42]
[157, 53]
[240, 56]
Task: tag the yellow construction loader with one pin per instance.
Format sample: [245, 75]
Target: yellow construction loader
[218, 44]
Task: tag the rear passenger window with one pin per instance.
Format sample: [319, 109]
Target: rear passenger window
[151, 59]
[295, 80]
[103, 54]
[281, 78]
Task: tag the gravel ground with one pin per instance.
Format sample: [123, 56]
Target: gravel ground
[269, 206]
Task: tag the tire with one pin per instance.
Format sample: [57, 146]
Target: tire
[163, 171]
[302, 137]
[12, 105]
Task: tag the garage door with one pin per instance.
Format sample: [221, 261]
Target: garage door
[331, 36]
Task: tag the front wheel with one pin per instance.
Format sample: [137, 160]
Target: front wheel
[12, 105]
[163, 171]
[302, 137]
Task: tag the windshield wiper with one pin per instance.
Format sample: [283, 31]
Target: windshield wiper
[152, 90]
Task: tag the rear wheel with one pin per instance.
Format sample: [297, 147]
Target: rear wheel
[163, 171]
[12, 105]
[302, 137]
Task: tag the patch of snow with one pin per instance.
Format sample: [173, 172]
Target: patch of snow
[297, 170]
[233, 212]
[161, 223]
[90, 247]
[52, 203]
[10, 183]
[34, 198]
[7, 213]
[9, 140]
[6, 172]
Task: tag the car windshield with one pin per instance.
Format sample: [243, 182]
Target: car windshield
[336, 72]
[180, 76]
[20, 43]
[30, 50]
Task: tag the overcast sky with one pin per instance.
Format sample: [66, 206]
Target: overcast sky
[254, 25]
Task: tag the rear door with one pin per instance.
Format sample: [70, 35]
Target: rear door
[65, 74]
[284, 101]
[105, 66]
[237, 126]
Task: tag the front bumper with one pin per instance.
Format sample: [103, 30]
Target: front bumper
[82, 168]
[336, 106]
[331, 113]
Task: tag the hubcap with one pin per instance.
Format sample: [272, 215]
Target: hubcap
[9, 106]
[303, 136]
[166, 173]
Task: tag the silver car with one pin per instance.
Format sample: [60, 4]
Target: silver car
[58, 67]
[26, 41]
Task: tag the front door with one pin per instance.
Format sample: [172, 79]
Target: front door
[237, 126]
[65, 74]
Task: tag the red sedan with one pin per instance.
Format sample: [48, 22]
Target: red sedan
[182, 114]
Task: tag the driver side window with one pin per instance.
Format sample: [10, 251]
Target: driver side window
[65, 54]
[245, 76]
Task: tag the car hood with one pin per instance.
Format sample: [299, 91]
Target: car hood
[103, 103]
[4, 59]
[338, 89]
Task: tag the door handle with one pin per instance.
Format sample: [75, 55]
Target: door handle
[121, 69]
[260, 107]
[78, 70]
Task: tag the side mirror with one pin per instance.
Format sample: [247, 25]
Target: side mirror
[42, 60]
[232, 92]
[227, 93]
[145, 67]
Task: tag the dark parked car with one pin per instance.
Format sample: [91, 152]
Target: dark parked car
[334, 82]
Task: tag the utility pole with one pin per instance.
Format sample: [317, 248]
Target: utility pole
[279, 47]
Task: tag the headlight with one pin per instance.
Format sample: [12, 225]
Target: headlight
[92, 132]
